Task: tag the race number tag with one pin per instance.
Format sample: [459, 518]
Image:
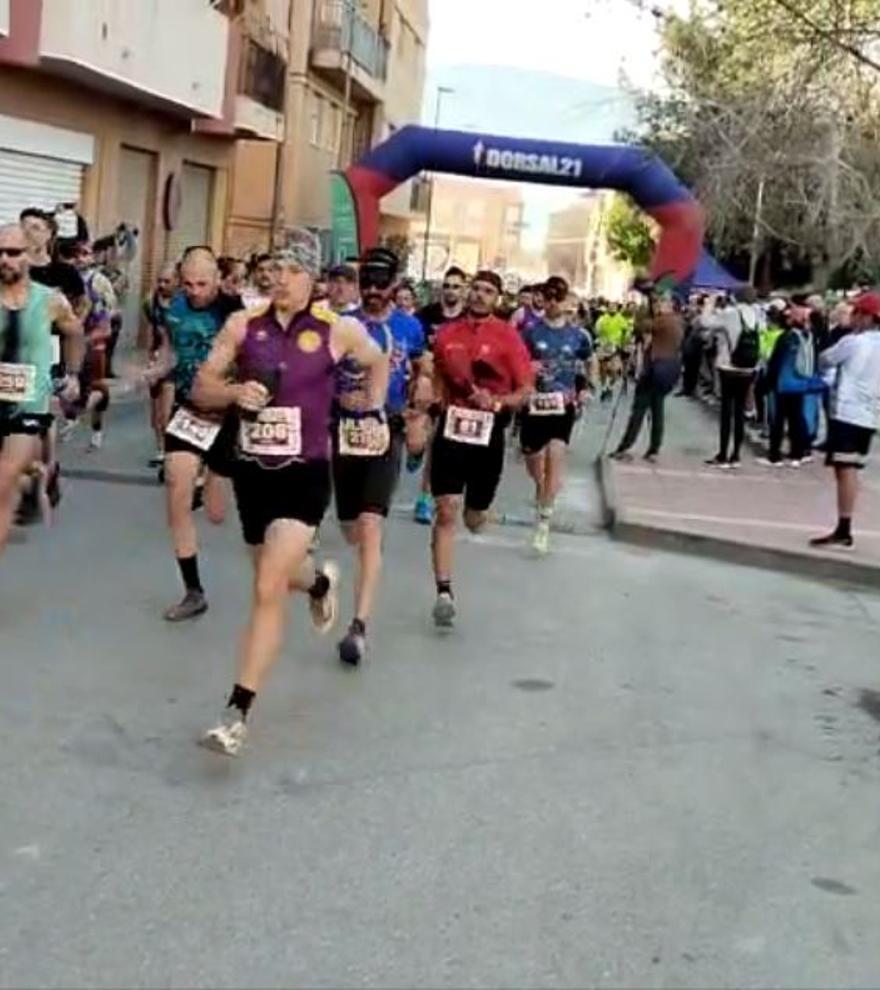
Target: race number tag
[547, 404]
[276, 432]
[18, 382]
[201, 433]
[473, 426]
[363, 437]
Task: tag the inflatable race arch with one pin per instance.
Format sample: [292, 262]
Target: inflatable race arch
[630, 170]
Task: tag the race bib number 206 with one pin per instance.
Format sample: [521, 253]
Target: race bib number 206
[276, 432]
[473, 426]
[17, 382]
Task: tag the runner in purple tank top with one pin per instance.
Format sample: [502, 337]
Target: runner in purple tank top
[284, 381]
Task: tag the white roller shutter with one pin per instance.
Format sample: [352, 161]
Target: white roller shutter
[33, 180]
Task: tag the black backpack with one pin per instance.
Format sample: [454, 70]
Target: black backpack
[747, 353]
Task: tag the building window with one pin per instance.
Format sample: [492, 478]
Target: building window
[264, 76]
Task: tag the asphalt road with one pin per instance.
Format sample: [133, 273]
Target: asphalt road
[622, 769]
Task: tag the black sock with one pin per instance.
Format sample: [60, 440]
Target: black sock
[320, 587]
[444, 587]
[241, 698]
[189, 571]
[844, 527]
[358, 627]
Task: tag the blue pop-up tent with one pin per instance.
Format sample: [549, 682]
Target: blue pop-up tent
[711, 274]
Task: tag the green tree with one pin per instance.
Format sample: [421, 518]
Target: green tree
[629, 234]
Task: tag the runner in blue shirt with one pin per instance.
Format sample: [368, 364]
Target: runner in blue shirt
[368, 442]
[557, 350]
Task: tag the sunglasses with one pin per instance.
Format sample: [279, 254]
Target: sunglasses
[11, 252]
[376, 280]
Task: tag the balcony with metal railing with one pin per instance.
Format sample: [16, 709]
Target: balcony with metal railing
[344, 44]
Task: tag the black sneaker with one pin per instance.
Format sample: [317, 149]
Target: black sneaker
[353, 647]
[717, 461]
[833, 540]
[193, 603]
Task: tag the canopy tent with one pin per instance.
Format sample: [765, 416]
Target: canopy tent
[632, 170]
[711, 274]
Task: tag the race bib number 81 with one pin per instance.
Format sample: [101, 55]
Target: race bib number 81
[363, 437]
[276, 432]
[547, 404]
[473, 426]
[18, 382]
[201, 433]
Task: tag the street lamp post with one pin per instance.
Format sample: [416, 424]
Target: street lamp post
[441, 92]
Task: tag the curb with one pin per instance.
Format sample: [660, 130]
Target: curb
[730, 551]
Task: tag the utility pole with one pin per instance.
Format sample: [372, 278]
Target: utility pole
[441, 92]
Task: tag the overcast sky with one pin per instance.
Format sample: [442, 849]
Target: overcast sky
[592, 41]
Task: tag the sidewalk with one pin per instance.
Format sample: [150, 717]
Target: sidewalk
[757, 515]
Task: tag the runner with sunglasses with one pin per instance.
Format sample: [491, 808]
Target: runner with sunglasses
[557, 349]
[279, 367]
[28, 312]
[482, 374]
[368, 441]
[449, 307]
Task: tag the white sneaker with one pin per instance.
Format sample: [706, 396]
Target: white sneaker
[541, 539]
[97, 441]
[444, 611]
[67, 429]
[228, 737]
[325, 611]
[793, 463]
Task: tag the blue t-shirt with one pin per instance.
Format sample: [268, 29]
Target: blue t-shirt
[404, 337]
[559, 350]
[191, 333]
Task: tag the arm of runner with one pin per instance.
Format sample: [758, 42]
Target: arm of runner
[73, 343]
[522, 373]
[837, 354]
[349, 338]
[212, 388]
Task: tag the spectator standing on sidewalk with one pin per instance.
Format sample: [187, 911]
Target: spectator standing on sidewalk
[736, 330]
[661, 337]
[855, 410]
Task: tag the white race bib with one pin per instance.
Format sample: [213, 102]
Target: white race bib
[276, 432]
[18, 382]
[473, 426]
[547, 404]
[201, 433]
[363, 437]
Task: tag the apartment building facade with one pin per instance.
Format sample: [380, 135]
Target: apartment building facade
[576, 247]
[131, 111]
[356, 73]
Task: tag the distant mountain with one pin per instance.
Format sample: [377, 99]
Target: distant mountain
[524, 103]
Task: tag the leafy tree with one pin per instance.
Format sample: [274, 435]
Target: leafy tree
[629, 234]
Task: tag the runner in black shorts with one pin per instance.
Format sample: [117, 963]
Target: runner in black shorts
[482, 373]
[557, 349]
[193, 440]
[368, 435]
[282, 481]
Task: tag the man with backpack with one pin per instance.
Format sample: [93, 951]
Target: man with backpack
[736, 331]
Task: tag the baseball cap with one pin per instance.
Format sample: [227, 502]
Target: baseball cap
[868, 304]
[348, 272]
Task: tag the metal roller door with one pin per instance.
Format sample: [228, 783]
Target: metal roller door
[194, 221]
[33, 180]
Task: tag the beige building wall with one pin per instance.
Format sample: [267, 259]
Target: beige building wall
[577, 250]
[325, 129]
[35, 96]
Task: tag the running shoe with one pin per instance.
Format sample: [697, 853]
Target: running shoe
[424, 510]
[325, 610]
[353, 648]
[718, 462]
[734, 464]
[768, 463]
[228, 736]
[157, 460]
[541, 539]
[794, 463]
[66, 429]
[444, 611]
[97, 440]
[833, 541]
[192, 604]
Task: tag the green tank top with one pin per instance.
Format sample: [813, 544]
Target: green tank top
[34, 346]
